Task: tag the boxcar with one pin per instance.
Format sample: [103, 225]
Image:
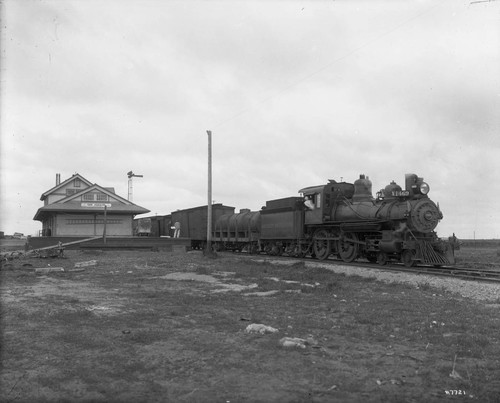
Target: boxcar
[142, 226]
[193, 222]
[161, 225]
[155, 226]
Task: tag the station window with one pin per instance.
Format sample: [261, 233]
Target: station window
[101, 197]
[88, 196]
[77, 182]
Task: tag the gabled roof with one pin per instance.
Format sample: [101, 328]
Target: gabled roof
[117, 204]
[55, 188]
[92, 188]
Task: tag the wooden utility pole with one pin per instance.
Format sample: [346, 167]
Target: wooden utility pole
[105, 223]
[209, 212]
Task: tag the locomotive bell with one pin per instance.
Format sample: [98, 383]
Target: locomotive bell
[362, 189]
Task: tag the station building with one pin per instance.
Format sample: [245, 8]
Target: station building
[76, 207]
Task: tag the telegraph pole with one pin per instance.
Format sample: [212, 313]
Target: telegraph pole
[209, 210]
[105, 223]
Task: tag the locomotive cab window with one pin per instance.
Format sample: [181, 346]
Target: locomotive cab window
[308, 201]
[312, 201]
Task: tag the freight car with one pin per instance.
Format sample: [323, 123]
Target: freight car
[345, 220]
[238, 232]
[156, 226]
[161, 226]
[278, 228]
[142, 226]
[193, 222]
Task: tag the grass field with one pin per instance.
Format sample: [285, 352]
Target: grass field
[146, 326]
[479, 255]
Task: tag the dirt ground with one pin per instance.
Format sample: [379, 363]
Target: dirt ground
[162, 327]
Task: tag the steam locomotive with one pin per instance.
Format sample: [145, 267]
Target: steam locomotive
[345, 220]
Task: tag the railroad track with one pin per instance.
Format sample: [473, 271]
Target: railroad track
[443, 271]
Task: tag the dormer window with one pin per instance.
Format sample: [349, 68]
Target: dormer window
[95, 196]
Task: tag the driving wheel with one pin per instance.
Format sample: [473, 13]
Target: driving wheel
[348, 247]
[321, 246]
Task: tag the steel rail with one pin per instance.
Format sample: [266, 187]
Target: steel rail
[443, 271]
[452, 272]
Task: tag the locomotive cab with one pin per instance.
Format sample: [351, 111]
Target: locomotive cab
[319, 201]
[313, 202]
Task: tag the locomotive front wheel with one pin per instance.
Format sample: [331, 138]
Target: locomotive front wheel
[382, 258]
[348, 247]
[321, 246]
[407, 257]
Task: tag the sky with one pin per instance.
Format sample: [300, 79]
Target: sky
[294, 93]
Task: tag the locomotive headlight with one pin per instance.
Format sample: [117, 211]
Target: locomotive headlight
[424, 188]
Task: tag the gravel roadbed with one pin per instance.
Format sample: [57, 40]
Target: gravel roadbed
[488, 292]
[466, 288]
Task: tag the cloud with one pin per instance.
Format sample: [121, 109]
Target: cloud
[295, 93]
